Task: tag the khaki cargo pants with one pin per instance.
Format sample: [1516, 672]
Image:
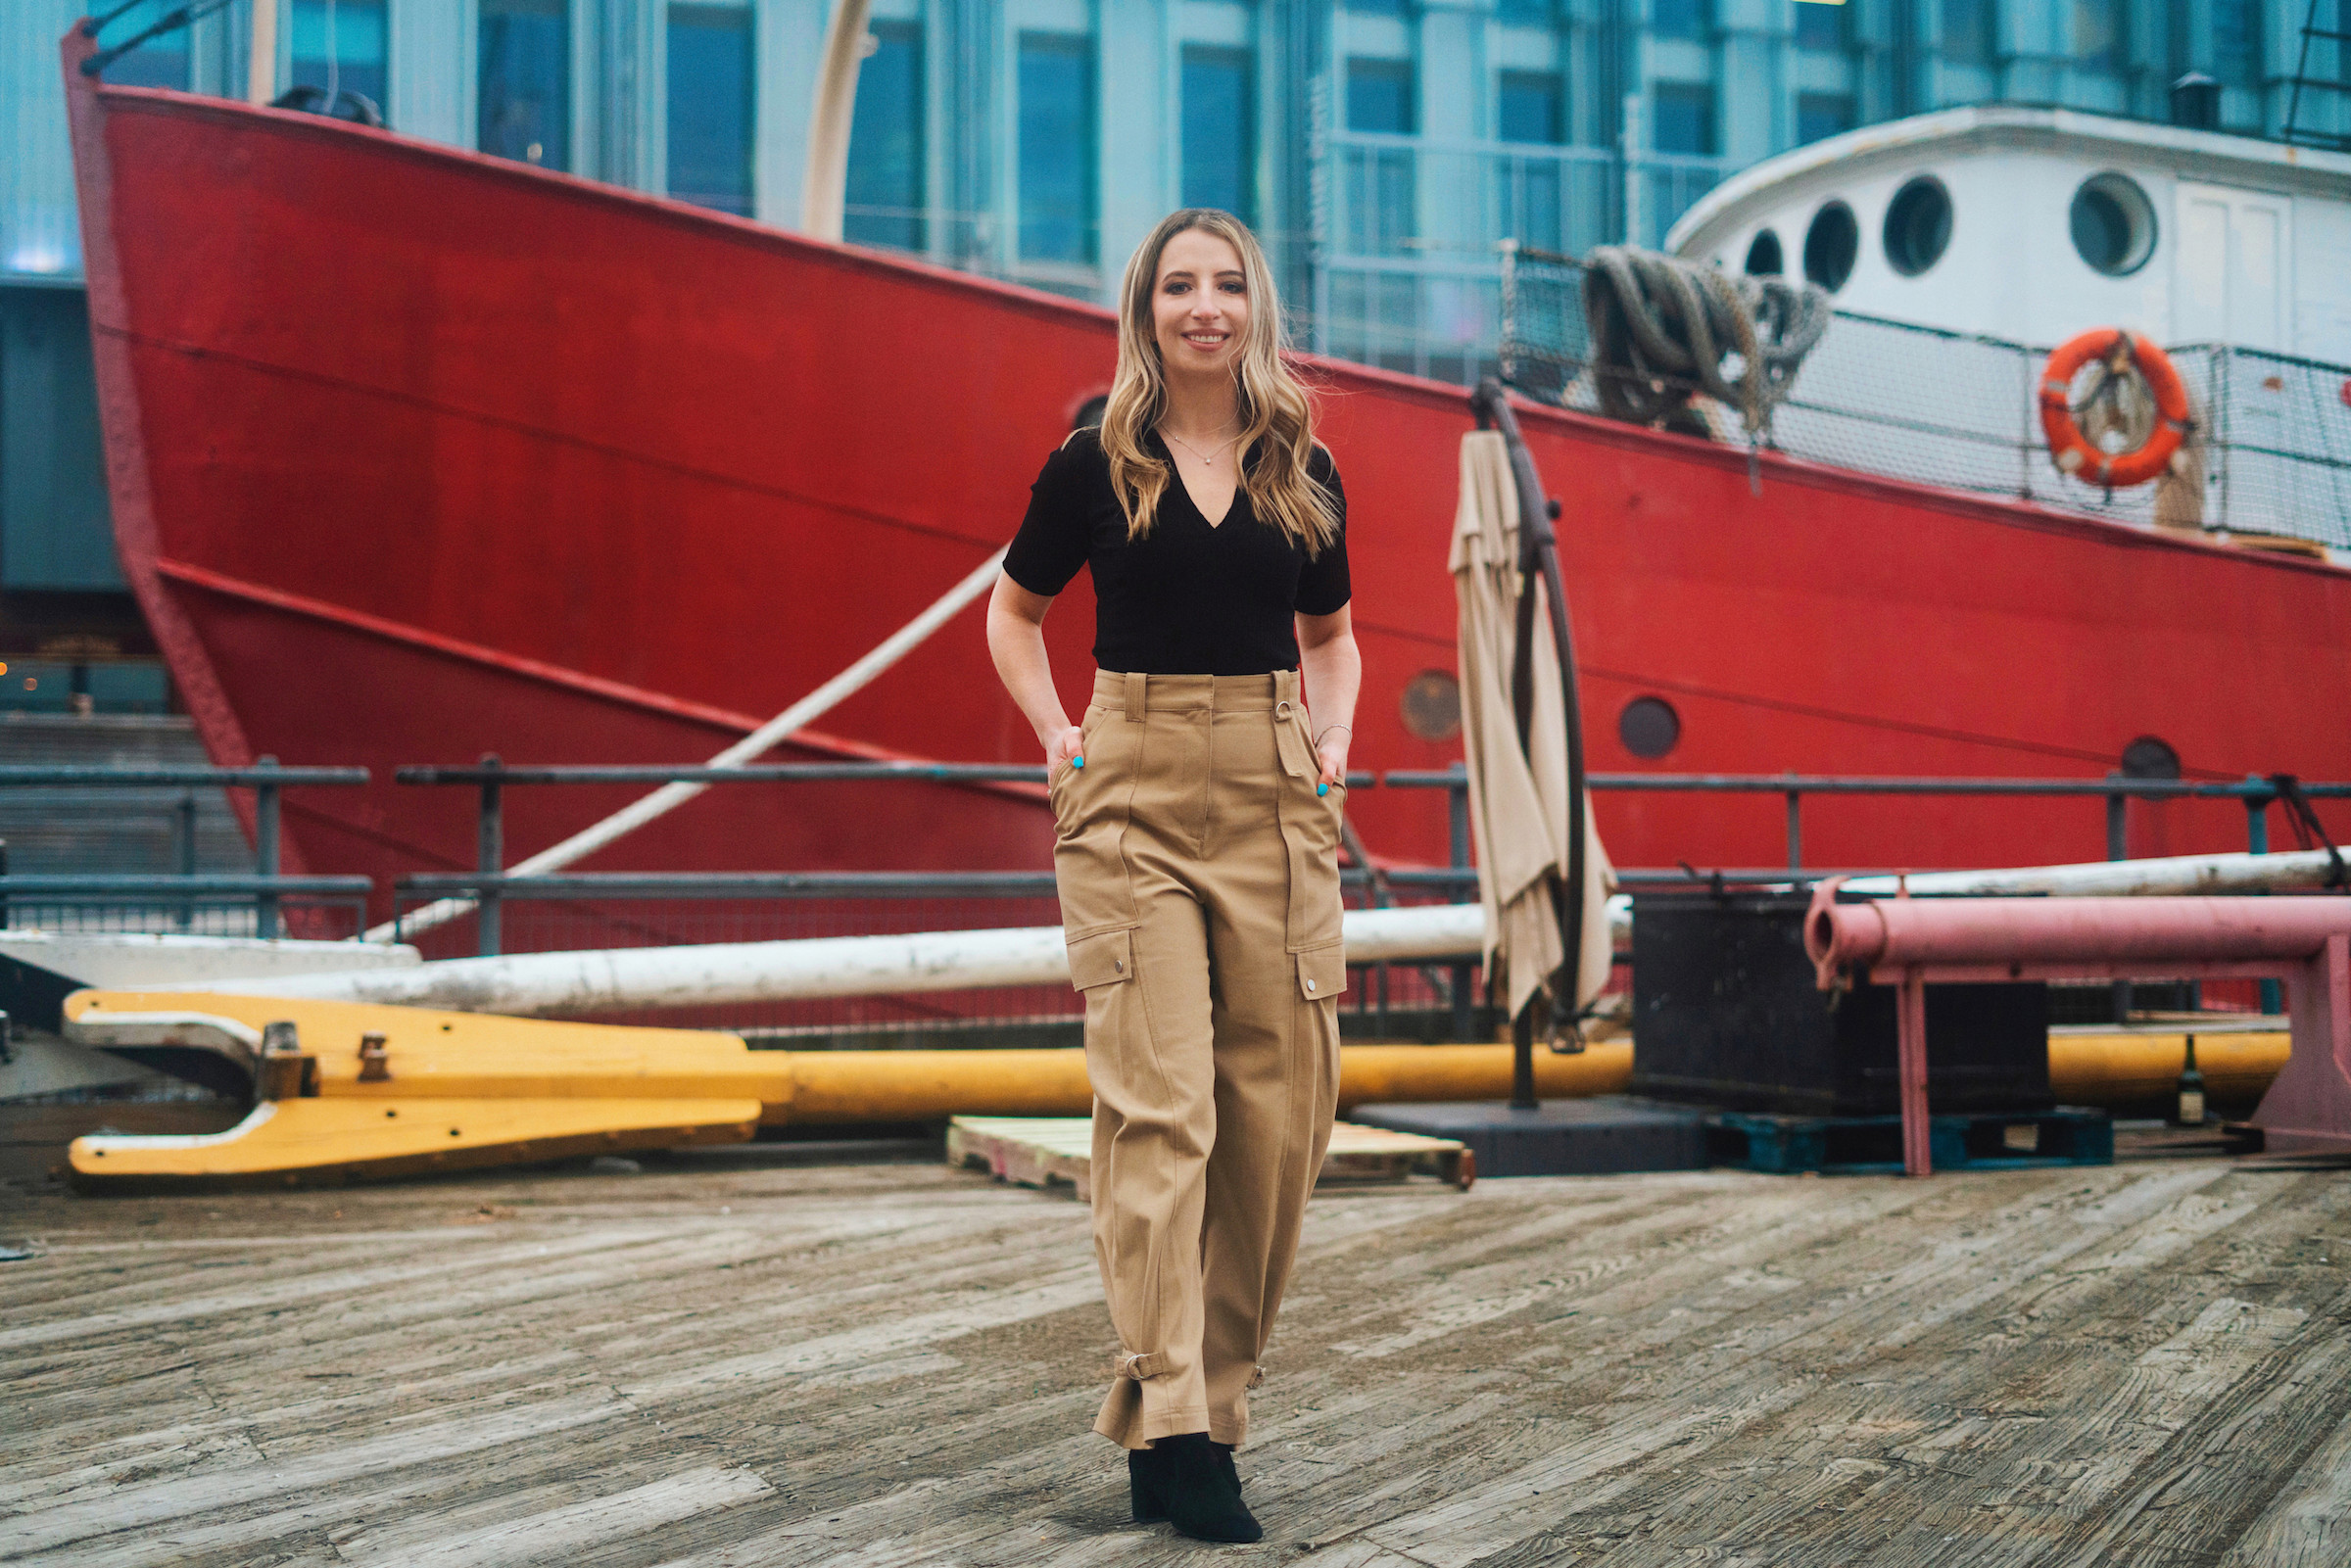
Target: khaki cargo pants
[1199, 884]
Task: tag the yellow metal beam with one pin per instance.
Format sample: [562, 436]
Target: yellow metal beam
[471, 1088]
[485, 1056]
[320, 1140]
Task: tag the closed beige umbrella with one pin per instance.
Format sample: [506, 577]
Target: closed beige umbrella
[1519, 734]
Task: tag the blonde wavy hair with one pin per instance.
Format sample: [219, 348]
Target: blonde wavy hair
[1276, 412]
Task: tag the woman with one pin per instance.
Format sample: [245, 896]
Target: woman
[1198, 817]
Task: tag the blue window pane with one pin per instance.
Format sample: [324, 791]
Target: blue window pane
[1220, 131]
[1819, 24]
[1528, 107]
[710, 115]
[1057, 148]
[1534, 13]
[2237, 42]
[1379, 96]
[1377, 8]
[2098, 38]
[1822, 115]
[1684, 120]
[160, 62]
[1680, 18]
[1967, 31]
[886, 190]
[524, 97]
[338, 46]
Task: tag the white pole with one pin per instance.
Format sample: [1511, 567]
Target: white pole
[588, 841]
[1636, 143]
[261, 65]
[2171, 877]
[629, 978]
[824, 186]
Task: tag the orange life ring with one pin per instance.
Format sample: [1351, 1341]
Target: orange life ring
[2073, 453]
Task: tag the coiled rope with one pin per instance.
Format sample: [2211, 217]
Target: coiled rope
[1662, 329]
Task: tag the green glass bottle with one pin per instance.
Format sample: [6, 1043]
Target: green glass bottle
[2192, 1090]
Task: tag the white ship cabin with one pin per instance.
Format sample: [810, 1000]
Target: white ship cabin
[2034, 224]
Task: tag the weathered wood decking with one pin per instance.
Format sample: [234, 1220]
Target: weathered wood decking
[800, 1362]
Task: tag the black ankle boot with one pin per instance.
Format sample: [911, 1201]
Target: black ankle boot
[1200, 1491]
[1147, 1484]
[1146, 1479]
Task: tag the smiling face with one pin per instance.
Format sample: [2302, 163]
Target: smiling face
[1199, 304]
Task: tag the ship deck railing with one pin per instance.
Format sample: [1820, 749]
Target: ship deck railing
[574, 909]
[570, 904]
[2268, 456]
[257, 905]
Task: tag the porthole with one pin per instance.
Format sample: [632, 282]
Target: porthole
[1831, 245]
[1763, 258]
[1431, 705]
[1918, 226]
[2113, 225]
[2150, 757]
[1649, 726]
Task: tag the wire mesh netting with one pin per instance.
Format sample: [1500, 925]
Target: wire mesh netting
[2269, 454]
[308, 917]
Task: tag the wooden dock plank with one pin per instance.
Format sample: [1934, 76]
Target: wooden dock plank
[1049, 1152]
[782, 1360]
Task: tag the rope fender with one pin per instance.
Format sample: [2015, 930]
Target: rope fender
[1661, 328]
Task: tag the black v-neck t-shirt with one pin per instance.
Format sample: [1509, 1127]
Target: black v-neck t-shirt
[1188, 597]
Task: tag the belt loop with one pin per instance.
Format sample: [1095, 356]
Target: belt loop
[1286, 685]
[1137, 705]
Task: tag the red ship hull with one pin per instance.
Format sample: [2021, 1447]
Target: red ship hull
[416, 455]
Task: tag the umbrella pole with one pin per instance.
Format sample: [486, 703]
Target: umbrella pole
[1522, 1059]
[1539, 559]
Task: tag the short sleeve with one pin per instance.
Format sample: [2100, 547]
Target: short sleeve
[1054, 538]
[1323, 587]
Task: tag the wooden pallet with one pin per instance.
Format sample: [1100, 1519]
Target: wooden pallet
[1058, 1152]
[1873, 1144]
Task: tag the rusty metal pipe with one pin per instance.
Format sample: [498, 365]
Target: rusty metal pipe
[1912, 942]
[2036, 932]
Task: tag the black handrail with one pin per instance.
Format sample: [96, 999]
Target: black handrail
[264, 776]
[484, 773]
[259, 774]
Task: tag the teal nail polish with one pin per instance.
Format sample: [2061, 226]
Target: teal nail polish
[1077, 762]
[1321, 789]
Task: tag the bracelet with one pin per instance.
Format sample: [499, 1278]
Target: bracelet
[1326, 735]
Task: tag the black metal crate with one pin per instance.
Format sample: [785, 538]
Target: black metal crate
[1726, 1014]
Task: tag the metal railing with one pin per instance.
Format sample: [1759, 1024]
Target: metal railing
[2257, 793]
[180, 895]
[1404, 231]
[867, 896]
[2268, 454]
[491, 886]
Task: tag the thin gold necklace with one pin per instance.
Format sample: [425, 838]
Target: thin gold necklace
[1206, 457]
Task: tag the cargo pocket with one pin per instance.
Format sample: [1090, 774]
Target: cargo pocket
[1106, 958]
[1310, 838]
[1322, 973]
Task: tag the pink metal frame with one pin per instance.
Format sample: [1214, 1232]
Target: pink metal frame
[1912, 943]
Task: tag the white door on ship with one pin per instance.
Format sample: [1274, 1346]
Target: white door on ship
[2230, 283]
